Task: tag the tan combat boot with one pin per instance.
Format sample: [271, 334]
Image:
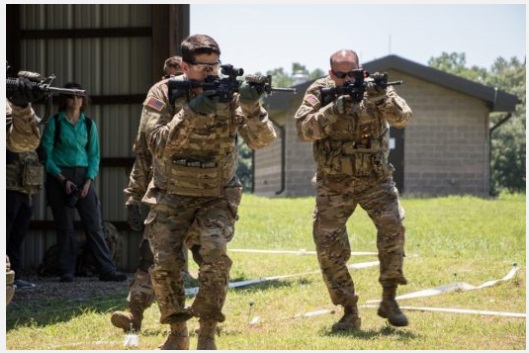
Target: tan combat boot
[206, 335]
[127, 320]
[350, 319]
[178, 338]
[389, 309]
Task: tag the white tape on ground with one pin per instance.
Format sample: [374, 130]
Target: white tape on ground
[360, 265]
[296, 252]
[460, 286]
[434, 291]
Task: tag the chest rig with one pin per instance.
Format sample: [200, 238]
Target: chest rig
[356, 145]
[208, 159]
[24, 172]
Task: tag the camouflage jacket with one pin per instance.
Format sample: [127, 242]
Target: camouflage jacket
[24, 172]
[196, 155]
[355, 144]
[22, 133]
[141, 173]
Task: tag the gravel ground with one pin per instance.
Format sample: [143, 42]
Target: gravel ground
[81, 289]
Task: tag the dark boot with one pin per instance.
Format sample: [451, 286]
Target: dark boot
[178, 338]
[206, 335]
[350, 319]
[389, 309]
[128, 320]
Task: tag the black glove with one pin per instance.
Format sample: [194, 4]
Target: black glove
[341, 106]
[26, 92]
[378, 86]
[134, 218]
[248, 94]
[202, 104]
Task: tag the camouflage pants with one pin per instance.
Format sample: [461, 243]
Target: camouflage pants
[335, 203]
[141, 294]
[167, 230]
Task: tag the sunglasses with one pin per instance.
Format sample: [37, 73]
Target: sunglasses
[73, 97]
[206, 67]
[353, 73]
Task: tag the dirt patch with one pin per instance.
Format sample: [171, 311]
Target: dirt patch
[81, 289]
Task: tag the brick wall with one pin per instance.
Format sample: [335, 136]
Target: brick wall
[447, 143]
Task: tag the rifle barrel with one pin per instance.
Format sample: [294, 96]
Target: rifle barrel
[73, 92]
[281, 89]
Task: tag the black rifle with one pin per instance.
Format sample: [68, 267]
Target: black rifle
[13, 85]
[356, 87]
[224, 87]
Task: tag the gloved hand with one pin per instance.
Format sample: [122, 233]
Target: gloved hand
[26, 92]
[248, 94]
[134, 218]
[377, 87]
[341, 106]
[202, 104]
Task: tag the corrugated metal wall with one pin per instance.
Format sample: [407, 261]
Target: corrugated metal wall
[106, 64]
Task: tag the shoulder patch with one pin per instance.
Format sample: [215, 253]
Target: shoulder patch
[312, 100]
[154, 103]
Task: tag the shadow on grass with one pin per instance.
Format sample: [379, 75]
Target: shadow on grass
[386, 331]
[52, 302]
[53, 311]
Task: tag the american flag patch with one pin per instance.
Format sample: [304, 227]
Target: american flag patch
[312, 100]
[155, 104]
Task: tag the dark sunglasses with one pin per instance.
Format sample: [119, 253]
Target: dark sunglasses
[353, 73]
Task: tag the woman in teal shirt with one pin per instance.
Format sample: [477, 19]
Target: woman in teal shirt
[72, 147]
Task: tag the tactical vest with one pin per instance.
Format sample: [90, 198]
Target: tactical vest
[356, 145]
[208, 159]
[24, 172]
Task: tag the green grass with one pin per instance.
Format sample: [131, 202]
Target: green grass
[448, 240]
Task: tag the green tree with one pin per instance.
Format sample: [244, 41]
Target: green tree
[509, 139]
[508, 167]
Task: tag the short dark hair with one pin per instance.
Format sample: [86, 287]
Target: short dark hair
[64, 97]
[198, 44]
[172, 62]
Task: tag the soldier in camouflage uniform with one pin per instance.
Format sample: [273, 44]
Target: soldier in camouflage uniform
[22, 135]
[141, 295]
[194, 184]
[350, 145]
[24, 178]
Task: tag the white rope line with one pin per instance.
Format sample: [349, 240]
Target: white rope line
[459, 286]
[360, 265]
[296, 252]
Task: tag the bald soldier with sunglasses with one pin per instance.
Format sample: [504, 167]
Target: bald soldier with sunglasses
[194, 150]
[351, 147]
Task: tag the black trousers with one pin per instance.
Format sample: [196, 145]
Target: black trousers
[90, 214]
[19, 212]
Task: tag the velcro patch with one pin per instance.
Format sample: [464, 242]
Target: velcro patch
[155, 104]
[312, 100]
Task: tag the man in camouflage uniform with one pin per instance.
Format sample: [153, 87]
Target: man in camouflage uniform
[194, 184]
[141, 295]
[22, 135]
[350, 145]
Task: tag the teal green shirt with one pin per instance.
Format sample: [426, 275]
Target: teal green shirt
[71, 150]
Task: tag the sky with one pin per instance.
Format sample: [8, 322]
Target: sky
[259, 37]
